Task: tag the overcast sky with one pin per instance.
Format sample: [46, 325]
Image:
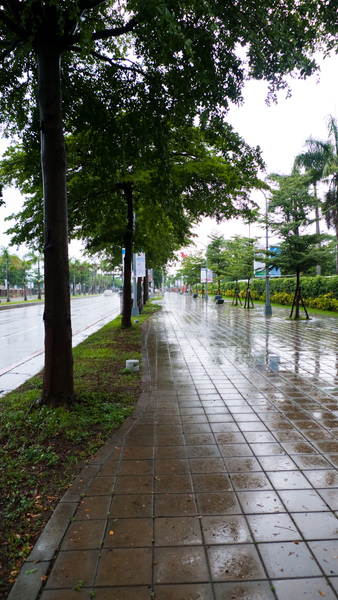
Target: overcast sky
[280, 130]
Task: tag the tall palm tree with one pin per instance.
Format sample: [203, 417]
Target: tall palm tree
[330, 172]
[314, 161]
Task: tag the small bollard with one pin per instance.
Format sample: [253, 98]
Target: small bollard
[133, 365]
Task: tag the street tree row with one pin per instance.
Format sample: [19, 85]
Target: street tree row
[165, 64]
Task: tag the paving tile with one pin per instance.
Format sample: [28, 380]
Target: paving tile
[206, 465]
[232, 450]
[121, 593]
[242, 464]
[304, 500]
[288, 480]
[288, 559]
[218, 504]
[173, 484]
[256, 502]
[204, 451]
[330, 496]
[128, 484]
[136, 467]
[317, 526]
[101, 486]
[93, 507]
[139, 440]
[211, 482]
[326, 552]
[171, 465]
[134, 505]
[180, 565]
[235, 563]
[126, 533]
[83, 535]
[86, 594]
[316, 587]
[254, 590]
[273, 527]
[177, 531]
[71, 567]
[171, 505]
[192, 591]
[170, 452]
[109, 468]
[225, 529]
[199, 438]
[277, 463]
[271, 449]
[250, 481]
[125, 567]
[230, 438]
[323, 478]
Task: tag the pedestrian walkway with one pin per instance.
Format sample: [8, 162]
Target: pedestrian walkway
[223, 484]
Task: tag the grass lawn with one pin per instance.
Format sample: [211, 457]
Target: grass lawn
[42, 450]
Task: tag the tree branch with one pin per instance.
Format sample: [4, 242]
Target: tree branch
[10, 49]
[108, 33]
[12, 26]
[117, 65]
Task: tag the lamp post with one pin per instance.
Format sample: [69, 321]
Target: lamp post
[206, 269]
[267, 308]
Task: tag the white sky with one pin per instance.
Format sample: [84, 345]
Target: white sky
[280, 130]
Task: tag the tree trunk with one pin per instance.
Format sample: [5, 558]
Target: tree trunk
[337, 251]
[139, 294]
[58, 387]
[297, 296]
[318, 267]
[145, 289]
[128, 244]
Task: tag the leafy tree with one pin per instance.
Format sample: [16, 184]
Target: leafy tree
[191, 47]
[216, 258]
[290, 211]
[239, 258]
[191, 268]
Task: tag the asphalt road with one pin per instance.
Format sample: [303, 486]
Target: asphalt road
[22, 335]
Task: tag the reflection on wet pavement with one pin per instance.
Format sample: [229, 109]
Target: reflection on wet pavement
[257, 400]
[225, 485]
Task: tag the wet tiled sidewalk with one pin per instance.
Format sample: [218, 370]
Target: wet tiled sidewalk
[224, 483]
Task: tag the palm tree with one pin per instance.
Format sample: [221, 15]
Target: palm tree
[330, 171]
[314, 161]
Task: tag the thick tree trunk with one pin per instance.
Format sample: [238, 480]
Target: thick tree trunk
[128, 244]
[58, 387]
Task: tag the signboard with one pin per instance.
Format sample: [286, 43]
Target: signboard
[123, 255]
[204, 275]
[259, 267]
[140, 265]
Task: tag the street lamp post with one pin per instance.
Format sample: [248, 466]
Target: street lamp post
[267, 308]
[206, 269]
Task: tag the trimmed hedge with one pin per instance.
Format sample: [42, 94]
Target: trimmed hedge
[317, 292]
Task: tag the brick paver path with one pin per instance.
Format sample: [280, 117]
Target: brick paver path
[224, 486]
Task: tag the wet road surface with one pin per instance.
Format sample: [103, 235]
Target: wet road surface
[224, 485]
[22, 335]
